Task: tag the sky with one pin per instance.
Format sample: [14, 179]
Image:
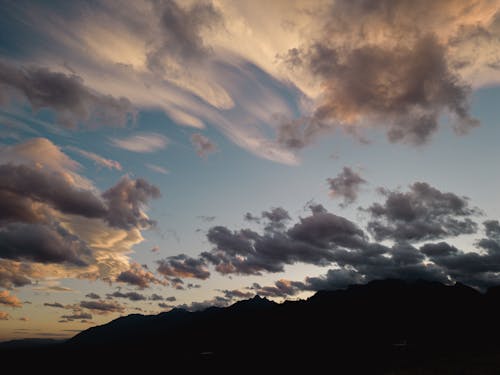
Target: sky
[158, 154]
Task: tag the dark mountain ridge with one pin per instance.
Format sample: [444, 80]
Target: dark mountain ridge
[381, 327]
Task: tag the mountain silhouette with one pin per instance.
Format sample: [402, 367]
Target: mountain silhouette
[387, 326]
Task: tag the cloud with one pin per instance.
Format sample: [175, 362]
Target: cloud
[56, 224]
[183, 266]
[143, 143]
[9, 300]
[281, 288]
[97, 159]
[133, 296]
[11, 276]
[180, 34]
[346, 185]
[54, 304]
[125, 201]
[398, 73]
[203, 145]
[155, 297]
[422, 213]
[77, 316]
[236, 294]
[67, 95]
[24, 319]
[138, 276]
[102, 307]
[42, 243]
[4, 315]
[157, 168]
[314, 240]
[171, 299]
[52, 188]
[93, 296]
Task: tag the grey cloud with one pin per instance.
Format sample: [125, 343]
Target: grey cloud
[183, 266]
[10, 277]
[93, 296]
[52, 188]
[203, 145]
[138, 276]
[55, 304]
[217, 301]
[67, 95]
[346, 185]
[171, 299]
[181, 29]
[77, 316]
[102, 307]
[422, 213]
[125, 201]
[165, 305]
[314, 240]
[277, 218]
[155, 297]
[133, 296]
[334, 279]
[324, 229]
[41, 243]
[392, 72]
[237, 294]
[281, 288]
[492, 228]
[121, 206]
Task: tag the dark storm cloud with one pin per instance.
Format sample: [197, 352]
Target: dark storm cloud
[133, 296]
[102, 307]
[346, 185]
[67, 95]
[181, 28]
[183, 266]
[42, 243]
[93, 296]
[422, 213]
[380, 64]
[125, 201]
[138, 276]
[203, 145]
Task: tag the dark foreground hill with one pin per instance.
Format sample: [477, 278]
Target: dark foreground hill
[389, 327]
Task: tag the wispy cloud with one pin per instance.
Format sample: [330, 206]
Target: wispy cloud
[97, 159]
[145, 142]
[157, 168]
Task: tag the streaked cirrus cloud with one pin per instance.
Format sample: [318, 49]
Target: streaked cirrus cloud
[146, 142]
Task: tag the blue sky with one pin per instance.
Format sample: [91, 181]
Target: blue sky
[135, 137]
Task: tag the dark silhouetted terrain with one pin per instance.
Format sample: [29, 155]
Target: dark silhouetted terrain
[386, 327]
